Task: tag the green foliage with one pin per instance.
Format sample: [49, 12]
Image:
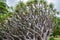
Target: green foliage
[51, 38]
[56, 29]
[4, 13]
[4, 16]
[3, 8]
[51, 5]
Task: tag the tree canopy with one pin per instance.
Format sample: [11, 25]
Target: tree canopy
[33, 20]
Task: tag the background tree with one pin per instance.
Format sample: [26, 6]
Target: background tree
[56, 29]
[4, 12]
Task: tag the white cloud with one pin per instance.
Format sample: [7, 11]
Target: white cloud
[51, 1]
[12, 2]
[25, 0]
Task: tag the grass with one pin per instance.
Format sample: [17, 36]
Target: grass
[57, 38]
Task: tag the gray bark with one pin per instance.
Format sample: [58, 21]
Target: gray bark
[34, 24]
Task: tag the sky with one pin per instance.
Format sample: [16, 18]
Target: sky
[55, 2]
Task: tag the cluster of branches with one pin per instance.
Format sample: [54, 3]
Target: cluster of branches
[30, 21]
